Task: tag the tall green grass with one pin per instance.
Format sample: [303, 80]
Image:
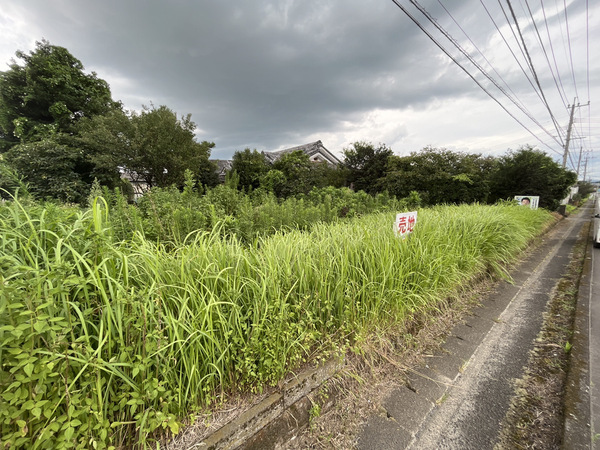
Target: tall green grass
[107, 342]
[169, 215]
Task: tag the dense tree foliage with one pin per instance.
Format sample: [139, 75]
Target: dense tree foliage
[294, 173]
[166, 147]
[440, 176]
[366, 165]
[10, 181]
[528, 171]
[47, 92]
[251, 166]
[61, 129]
[154, 147]
[586, 188]
[296, 168]
[109, 142]
[52, 168]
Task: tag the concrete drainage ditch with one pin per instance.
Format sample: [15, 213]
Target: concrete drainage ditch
[277, 418]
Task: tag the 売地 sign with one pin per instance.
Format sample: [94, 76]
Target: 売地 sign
[405, 223]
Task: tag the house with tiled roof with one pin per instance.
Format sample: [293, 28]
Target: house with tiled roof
[223, 166]
[316, 151]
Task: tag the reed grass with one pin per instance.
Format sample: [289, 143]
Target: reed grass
[106, 342]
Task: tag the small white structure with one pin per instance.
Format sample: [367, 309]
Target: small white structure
[138, 183]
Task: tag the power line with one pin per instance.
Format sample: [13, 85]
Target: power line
[441, 47]
[478, 66]
[554, 55]
[570, 53]
[508, 45]
[587, 47]
[537, 32]
[532, 68]
[533, 86]
[477, 48]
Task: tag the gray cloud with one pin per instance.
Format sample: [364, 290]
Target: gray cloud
[264, 73]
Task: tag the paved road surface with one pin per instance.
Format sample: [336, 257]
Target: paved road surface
[582, 421]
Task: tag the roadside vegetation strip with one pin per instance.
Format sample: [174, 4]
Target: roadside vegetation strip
[108, 343]
[536, 415]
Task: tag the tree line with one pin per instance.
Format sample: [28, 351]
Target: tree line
[60, 130]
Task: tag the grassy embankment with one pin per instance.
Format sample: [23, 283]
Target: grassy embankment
[105, 341]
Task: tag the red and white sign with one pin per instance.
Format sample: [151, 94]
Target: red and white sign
[405, 223]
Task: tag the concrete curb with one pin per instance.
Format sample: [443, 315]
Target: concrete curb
[275, 419]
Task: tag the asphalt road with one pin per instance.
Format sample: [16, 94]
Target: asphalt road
[594, 348]
[582, 409]
[458, 399]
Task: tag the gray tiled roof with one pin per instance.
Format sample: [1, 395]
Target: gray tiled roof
[310, 149]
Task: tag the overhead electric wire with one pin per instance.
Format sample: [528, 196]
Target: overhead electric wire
[570, 52]
[441, 47]
[533, 71]
[448, 36]
[587, 47]
[477, 48]
[537, 32]
[553, 55]
[518, 45]
[508, 45]
[587, 41]
[522, 47]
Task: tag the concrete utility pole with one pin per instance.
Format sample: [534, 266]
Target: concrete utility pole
[579, 162]
[569, 128]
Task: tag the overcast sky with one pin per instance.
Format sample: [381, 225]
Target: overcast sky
[275, 74]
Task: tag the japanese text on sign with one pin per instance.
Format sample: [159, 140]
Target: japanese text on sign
[405, 223]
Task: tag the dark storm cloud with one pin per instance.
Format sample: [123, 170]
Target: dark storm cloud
[257, 73]
[267, 74]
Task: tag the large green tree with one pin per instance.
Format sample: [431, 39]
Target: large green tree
[108, 141]
[440, 176]
[251, 166]
[166, 147]
[46, 92]
[529, 171]
[366, 165]
[155, 147]
[297, 169]
[60, 130]
[52, 168]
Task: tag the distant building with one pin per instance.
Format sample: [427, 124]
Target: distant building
[223, 166]
[315, 150]
[138, 183]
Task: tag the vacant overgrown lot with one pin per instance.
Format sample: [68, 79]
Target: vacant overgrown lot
[111, 337]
